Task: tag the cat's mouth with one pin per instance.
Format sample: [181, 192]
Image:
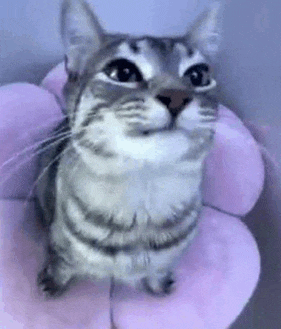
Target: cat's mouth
[172, 124]
[175, 112]
[178, 107]
[167, 124]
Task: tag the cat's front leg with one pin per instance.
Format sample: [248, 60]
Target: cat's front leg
[159, 284]
[56, 275]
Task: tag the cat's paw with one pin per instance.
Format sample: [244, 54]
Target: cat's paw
[48, 285]
[160, 286]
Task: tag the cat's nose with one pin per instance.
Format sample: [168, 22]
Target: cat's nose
[174, 99]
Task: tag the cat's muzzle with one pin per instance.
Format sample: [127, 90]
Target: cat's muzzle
[175, 100]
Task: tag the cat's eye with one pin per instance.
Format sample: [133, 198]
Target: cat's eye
[198, 75]
[122, 70]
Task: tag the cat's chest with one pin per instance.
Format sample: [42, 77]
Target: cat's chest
[145, 191]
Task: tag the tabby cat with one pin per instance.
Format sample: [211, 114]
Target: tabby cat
[122, 196]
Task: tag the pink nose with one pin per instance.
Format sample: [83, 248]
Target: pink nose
[174, 99]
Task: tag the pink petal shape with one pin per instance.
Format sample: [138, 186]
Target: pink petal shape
[85, 305]
[234, 175]
[55, 80]
[216, 278]
[220, 271]
[27, 113]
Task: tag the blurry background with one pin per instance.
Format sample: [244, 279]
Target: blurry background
[249, 72]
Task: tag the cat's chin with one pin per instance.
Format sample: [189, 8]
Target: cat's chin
[151, 132]
[170, 127]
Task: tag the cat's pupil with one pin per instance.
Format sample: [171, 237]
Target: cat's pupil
[198, 75]
[125, 74]
[123, 70]
[196, 78]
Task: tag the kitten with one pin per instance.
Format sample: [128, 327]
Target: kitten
[123, 194]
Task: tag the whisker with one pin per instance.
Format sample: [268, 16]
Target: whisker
[31, 132]
[26, 160]
[45, 125]
[41, 143]
[44, 171]
[31, 147]
[61, 137]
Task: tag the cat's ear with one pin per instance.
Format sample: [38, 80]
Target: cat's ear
[205, 33]
[81, 34]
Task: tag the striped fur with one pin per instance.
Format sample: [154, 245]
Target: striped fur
[124, 197]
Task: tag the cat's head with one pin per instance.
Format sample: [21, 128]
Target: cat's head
[142, 83]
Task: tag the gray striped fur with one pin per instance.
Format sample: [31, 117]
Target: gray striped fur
[123, 199]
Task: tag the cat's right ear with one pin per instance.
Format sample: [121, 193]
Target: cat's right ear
[206, 32]
[81, 34]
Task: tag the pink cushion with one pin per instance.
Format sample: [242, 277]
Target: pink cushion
[234, 171]
[214, 281]
[215, 278]
[85, 306]
[27, 113]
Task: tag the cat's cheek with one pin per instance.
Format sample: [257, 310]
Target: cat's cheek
[189, 118]
[157, 114]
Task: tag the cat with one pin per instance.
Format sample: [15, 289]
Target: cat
[121, 197]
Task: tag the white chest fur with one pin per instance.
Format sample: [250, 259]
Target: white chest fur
[148, 180]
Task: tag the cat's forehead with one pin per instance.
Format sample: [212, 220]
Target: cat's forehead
[161, 47]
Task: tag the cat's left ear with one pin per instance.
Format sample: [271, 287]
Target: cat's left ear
[81, 34]
[206, 32]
